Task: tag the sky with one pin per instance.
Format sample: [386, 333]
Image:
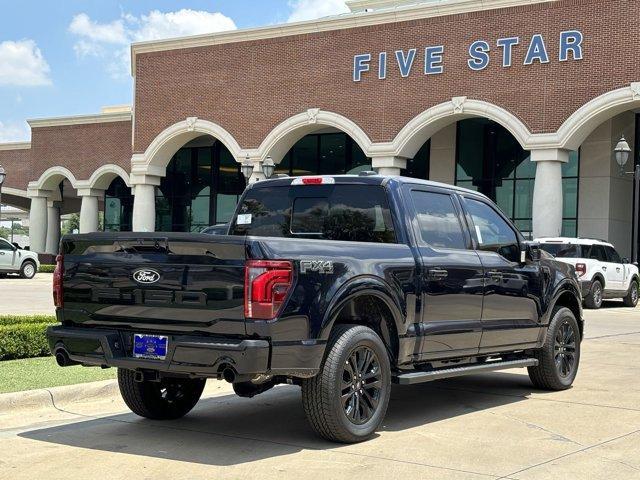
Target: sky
[71, 57]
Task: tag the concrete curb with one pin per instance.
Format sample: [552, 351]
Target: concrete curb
[57, 397]
[66, 396]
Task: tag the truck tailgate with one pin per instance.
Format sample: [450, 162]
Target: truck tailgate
[156, 282]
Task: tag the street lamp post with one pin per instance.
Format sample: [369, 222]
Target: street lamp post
[622, 152]
[247, 169]
[268, 167]
[3, 175]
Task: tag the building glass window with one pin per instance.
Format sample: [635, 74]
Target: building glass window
[118, 207]
[491, 161]
[324, 154]
[202, 187]
[418, 166]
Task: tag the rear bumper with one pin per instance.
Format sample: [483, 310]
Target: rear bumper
[203, 356]
[188, 355]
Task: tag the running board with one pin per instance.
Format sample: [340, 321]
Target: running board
[420, 377]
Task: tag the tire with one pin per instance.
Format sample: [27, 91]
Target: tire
[28, 270]
[593, 300]
[169, 399]
[559, 358]
[631, 299]
[353, 352]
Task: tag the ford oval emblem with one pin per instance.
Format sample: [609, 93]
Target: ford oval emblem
[146, 276]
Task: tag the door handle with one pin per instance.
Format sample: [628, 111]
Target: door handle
[495, 275]
[1, 253]
[617, 269]
[438, 274]
[604, 268]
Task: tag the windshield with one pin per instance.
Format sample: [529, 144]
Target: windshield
[562, 250]
[356, 213]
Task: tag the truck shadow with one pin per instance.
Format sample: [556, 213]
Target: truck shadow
[229, 430]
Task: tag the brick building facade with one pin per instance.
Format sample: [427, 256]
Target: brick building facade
[542, 89]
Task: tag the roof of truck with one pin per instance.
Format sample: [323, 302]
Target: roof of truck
[574, 241]
[364, 179]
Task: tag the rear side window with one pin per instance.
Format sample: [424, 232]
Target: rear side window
[438, 220]
[562, 250]
[357, 213]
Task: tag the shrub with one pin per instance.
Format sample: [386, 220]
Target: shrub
[47, 268]
[26, 319]
[23, 340]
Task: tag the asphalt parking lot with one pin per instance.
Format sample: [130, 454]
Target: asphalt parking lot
[27, 297]
[484, 426]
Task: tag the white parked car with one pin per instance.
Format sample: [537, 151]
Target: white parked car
[16, 260]
[602, 272]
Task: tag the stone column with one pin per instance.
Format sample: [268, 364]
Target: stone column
[390, 166]
[547, 192]
[53, 228]
[38, 224]
[89, 209]
[144, 207]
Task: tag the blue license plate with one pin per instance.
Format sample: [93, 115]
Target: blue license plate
[150, 346]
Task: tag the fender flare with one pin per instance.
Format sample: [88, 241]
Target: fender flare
[598, 276]
[364, 285]
[563, 287]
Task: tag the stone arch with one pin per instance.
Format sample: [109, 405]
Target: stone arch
[423, 126]
[159, 153]
[574, 131]
[284, 136]
[103, 176]
[52, 177]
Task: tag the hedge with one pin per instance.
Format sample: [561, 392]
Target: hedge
[24, 337]
[47, 268]
[17, 319]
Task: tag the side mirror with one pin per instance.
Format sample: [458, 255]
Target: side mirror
[625, 260]
[531, 251]
[16, 245]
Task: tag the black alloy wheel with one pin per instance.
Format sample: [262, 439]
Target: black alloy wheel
[565, 349]
[361, 385]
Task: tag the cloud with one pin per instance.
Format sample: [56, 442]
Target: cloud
[86, 28]
[14, 132]
[22, 64]
[312, 9]
[111, 40]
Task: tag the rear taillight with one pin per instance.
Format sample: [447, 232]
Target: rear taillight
[581, 269]
[266, 286]
[57, 282]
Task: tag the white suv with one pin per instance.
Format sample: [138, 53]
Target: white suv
[16, 260]
[602, 273]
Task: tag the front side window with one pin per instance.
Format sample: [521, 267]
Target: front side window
[493, 233]
[437, 219]
[357, 213]
[5, 246]
[614, 257]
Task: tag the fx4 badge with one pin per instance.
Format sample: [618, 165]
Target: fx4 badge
[320, 266]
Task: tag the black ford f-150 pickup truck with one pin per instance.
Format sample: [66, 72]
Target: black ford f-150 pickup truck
[340, 284]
